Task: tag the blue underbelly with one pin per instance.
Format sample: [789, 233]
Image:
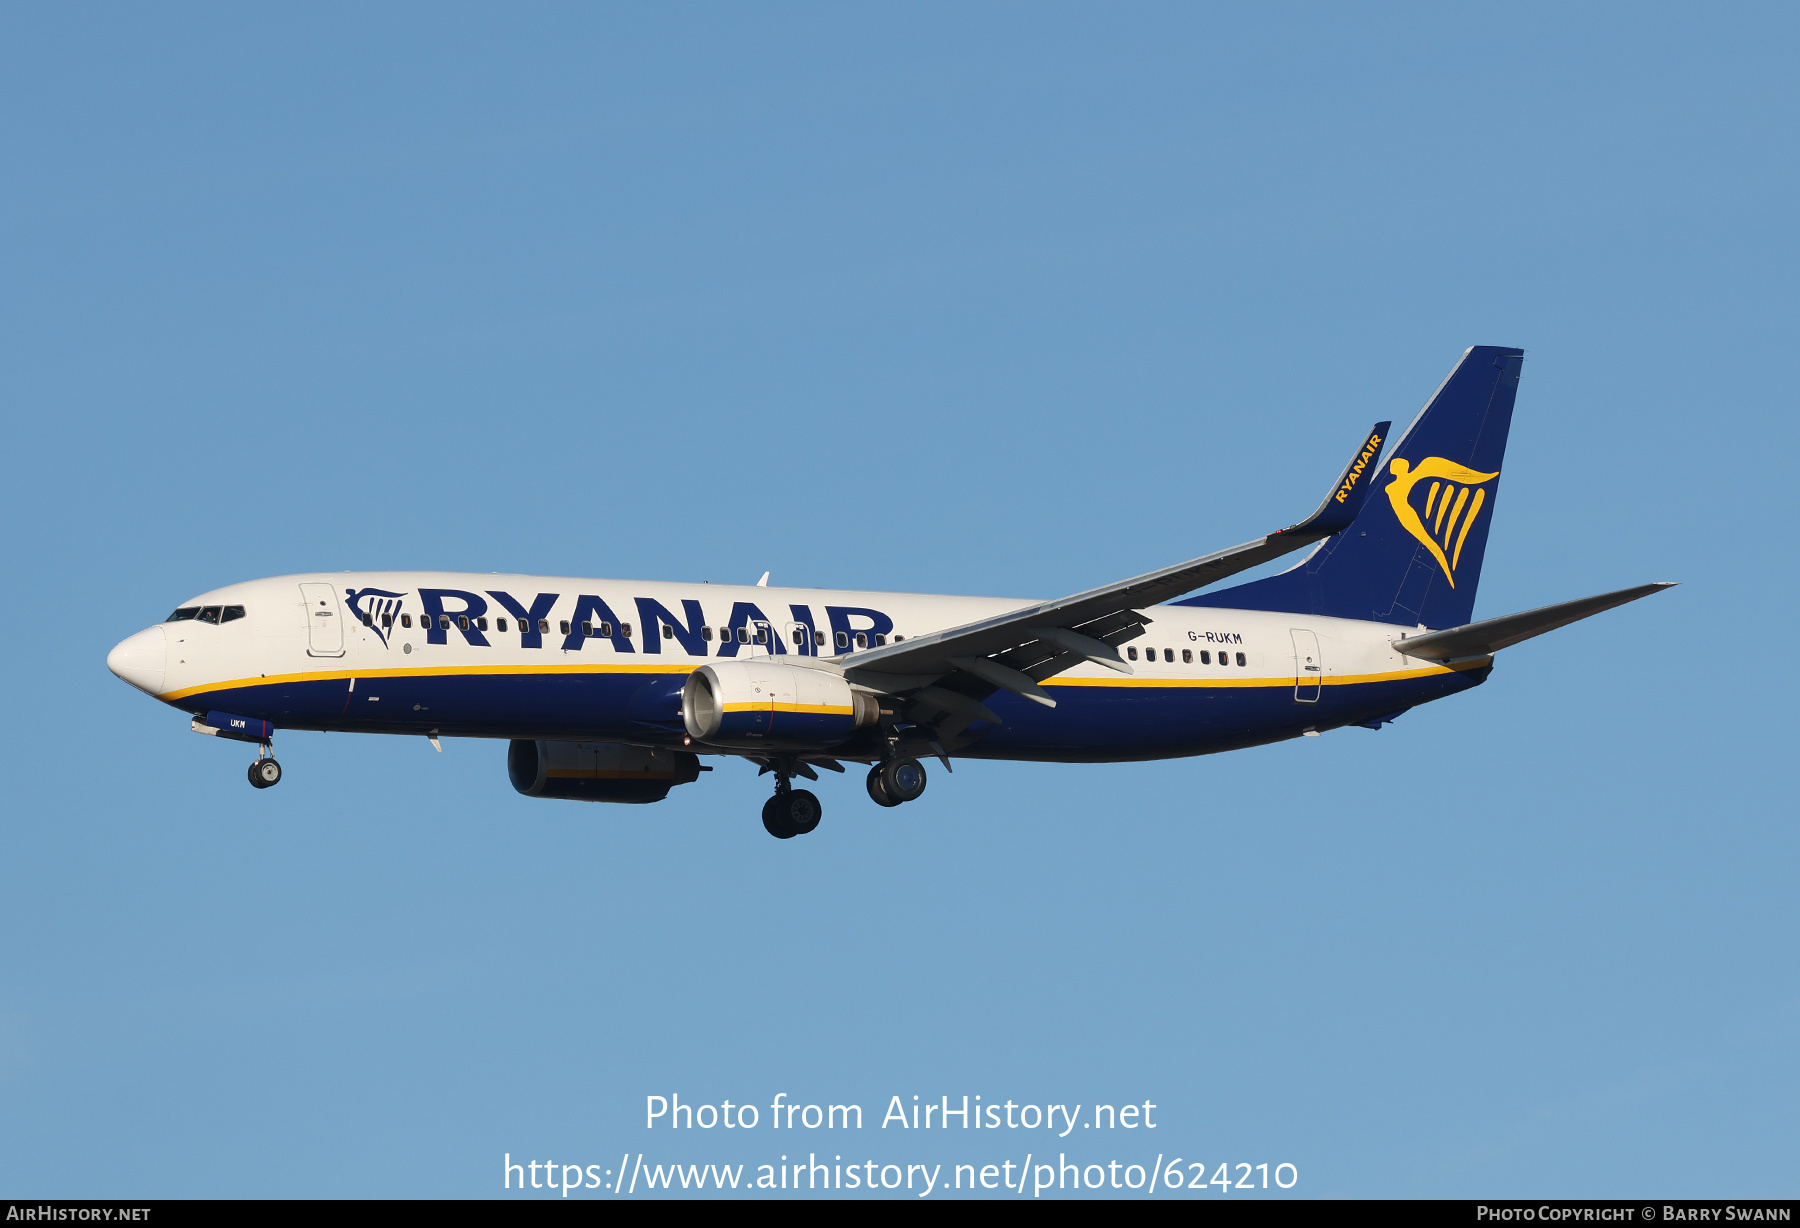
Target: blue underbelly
[1088, 723]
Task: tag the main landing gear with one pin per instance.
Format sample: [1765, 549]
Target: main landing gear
[791, 812]
[265, 773]
[896, 781]
[795, 812]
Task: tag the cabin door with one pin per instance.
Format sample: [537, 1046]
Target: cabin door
[1309, 667]
[324, 620]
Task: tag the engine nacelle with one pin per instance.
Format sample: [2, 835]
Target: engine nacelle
[598, 771]
[762, 703]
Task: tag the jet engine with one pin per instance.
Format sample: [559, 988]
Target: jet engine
[762, 703]
[598, 771]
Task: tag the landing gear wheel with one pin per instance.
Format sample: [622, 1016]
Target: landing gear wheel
[804, 811]
[775, 820]
[265, 773]
[876, 792]
[792, 813]
[902, 779]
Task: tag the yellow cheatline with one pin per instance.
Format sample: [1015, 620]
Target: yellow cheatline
[1285, 680]
[767, 705]
[1474, 511]
[823, 709]
[441, 671]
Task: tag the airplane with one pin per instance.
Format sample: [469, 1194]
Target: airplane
[613, 690]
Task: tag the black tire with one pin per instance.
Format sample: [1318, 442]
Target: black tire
[903, 779]
[876, 792]
[803, 811]
[775, 819]
[265, 774]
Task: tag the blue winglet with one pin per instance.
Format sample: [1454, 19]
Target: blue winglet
[1352, 490]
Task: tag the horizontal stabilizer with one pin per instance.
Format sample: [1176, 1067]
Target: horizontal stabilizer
[1485, 638]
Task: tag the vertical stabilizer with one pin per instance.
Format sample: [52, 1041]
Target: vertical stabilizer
[1414, 554]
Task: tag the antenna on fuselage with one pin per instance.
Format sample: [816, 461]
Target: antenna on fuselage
[764, 582]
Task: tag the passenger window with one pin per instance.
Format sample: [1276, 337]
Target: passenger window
[799, 638]
[587, 629]
[233, 612]
[1131, 654]
[564, 624]
[1241, 660]
[668, 632]
[544, 626]
[843, 639]
[209, 614]
[706, 635]
[443, 622]
[606, 630]
[183, 614]
[880, 641]
[462, 622]
[1169, 655]
[762, 635]
[724, 635]
[406, 620]
[1205, 657]
[862, 639]
[899, 638]
[1187, 656]
[500, 624]
[743, 635]
[481, 624]
[624, 629]
[387, 621]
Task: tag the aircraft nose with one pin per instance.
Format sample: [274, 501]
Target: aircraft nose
[141, 660]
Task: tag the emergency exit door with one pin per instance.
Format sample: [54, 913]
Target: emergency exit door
[1309, 667]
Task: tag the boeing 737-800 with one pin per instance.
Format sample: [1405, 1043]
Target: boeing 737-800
[613, 690]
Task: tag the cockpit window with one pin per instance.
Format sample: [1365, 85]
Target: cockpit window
[209, 614]
[183, 614]
[231, 612]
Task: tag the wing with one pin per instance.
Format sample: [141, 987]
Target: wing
[950, 671]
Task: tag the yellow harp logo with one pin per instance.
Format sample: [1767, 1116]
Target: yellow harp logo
[1449, 511]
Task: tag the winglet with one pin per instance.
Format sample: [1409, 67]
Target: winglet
[1346, 499]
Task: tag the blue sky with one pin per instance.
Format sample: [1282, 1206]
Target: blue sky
[999, 299]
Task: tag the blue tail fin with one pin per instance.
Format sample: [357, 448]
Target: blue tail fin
[1414, 554]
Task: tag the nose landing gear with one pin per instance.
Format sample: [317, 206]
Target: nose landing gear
[265, 772]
